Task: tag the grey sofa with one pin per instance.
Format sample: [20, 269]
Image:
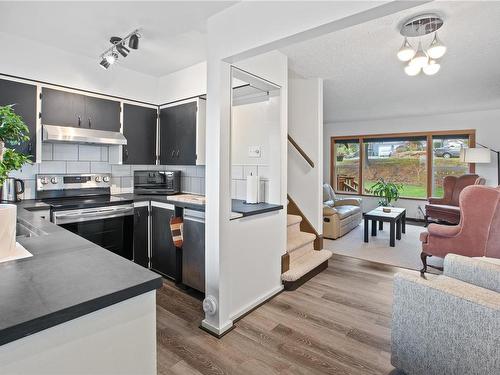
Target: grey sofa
[448, 324]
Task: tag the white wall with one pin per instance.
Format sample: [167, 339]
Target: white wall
[33, 60]
[486, 124]
[305, 126]
[185, 83]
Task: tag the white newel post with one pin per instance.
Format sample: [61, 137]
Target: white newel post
[8, 213]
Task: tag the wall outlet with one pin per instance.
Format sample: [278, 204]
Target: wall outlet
[254, 151]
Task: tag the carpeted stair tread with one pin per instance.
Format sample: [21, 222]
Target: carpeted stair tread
[306, 263]
[292, 220]
[298, 239]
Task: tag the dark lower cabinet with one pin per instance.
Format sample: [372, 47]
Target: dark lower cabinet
[193, 250]
[141, 235]
[23, 96]
[139, 128]
[162, 246]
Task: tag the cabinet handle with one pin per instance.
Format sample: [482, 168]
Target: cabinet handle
[90, 123]
[173, 153]
[125, 149]
[30, 147]
[177, 153]
[79, 121]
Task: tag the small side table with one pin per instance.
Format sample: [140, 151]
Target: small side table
[396, 219]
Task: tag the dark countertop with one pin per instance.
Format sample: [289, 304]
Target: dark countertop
[66, 277]
[238, 206]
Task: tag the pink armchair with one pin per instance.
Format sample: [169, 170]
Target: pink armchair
[446, 209]
[476, 235]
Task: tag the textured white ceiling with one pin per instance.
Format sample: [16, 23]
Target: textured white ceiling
[365, 80]
[173, 32]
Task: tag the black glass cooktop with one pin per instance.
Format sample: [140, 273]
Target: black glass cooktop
[85, 202]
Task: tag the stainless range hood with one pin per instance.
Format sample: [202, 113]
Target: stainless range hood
[67, 134]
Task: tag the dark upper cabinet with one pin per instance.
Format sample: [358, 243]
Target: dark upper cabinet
[162, 246]
[64, 108]
[139, 128]
[141, 235]
[23, 96]
[182, 134]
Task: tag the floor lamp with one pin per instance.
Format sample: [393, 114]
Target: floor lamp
[480, 155]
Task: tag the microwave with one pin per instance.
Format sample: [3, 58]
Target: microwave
[157, 182]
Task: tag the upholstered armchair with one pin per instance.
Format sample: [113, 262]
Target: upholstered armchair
[340, 215]
[446, 208]
[477, 234]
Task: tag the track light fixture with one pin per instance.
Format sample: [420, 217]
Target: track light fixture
[110, 56]
[421, 59]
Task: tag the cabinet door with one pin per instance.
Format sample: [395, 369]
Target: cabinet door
[186, 133]
[23, 96]
[141, 235]
[139, 128]
[168, 145]
[162, 246]
[193, 253]
[62, 108]
[101, 114]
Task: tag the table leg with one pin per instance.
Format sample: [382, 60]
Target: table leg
[366, 230]
[374, 228]
[392, 241]
[398, 229]
[380, 225]
[403, 219]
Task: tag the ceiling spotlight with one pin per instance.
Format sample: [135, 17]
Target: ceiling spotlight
[406, 52]
[412, 70]
[112, 58]
[431, 68]
[420, 59]
[122, 50]
[104, 64]
[437, 49]
[134, 41]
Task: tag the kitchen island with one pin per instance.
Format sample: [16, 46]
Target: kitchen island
[74, 306]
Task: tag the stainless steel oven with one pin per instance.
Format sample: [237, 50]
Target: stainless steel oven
[83, 205]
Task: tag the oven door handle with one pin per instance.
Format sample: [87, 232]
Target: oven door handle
[90, 215]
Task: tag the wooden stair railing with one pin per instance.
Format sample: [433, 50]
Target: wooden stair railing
[301, 152]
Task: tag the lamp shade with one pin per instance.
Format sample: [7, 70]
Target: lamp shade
[475, 155]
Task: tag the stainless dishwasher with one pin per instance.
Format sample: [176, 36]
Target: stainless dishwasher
[193, 250]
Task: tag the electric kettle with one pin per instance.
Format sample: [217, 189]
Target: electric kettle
[11, 189]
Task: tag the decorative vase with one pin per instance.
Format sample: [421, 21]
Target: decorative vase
[8, 217]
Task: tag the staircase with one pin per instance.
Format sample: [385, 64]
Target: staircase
[304, 262]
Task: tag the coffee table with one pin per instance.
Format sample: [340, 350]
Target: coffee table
[396, 219]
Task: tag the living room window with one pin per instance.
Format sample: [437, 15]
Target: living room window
[417, 161]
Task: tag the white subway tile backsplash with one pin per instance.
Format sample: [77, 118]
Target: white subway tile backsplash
[185, 184]
[64, 151]
[190, 171]
[104, 153]
[99, 167]
[241, 189]
[53, 167]
[27, 172]
[78, 167]
[195, 185]
[89, 152]
[233, 188]
[29, 189]
[249, 170]
[200, 171]
[121, 170]
[47, 149]
[263, 172]
[127, 182]
[237, 171]
[116, 185]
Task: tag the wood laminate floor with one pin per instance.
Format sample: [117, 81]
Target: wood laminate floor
[336, 323]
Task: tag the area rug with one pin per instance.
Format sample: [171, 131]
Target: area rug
[406, 254]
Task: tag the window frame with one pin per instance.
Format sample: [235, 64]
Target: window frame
[469, 133]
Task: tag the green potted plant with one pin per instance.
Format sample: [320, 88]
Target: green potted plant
[13, 131]
[387, 192]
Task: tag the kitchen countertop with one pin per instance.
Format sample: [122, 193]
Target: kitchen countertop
[193, 202]
[66, 277]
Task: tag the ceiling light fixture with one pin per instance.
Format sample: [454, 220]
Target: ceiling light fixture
[109, 56]
[422, 59]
